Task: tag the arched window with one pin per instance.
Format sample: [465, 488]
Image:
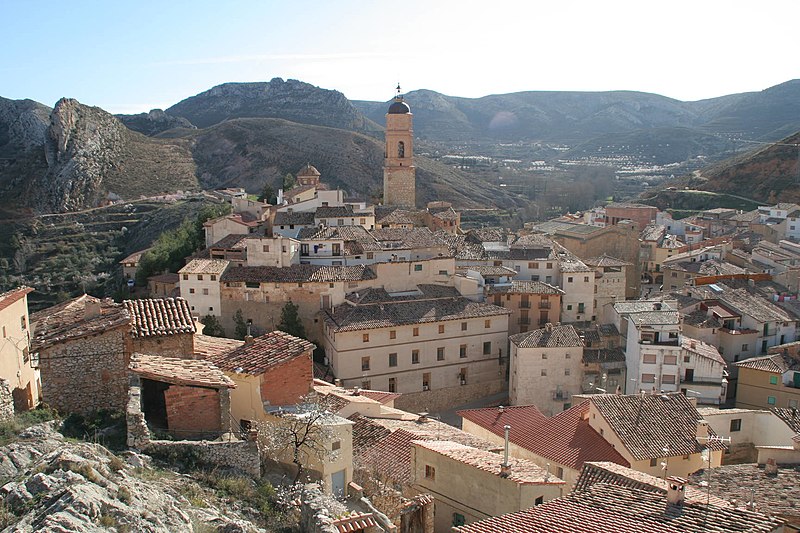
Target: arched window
[401, 149]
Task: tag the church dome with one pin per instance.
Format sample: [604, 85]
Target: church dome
[399, 107]
[308, 170]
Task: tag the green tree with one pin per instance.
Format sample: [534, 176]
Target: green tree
[212, 326]
[240, 329]
[267, 194]
[290, 320]
[288, 181]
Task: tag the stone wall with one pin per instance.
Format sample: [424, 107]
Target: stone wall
[178, 345]
[6, 401]
[86, 374]
[443, 399]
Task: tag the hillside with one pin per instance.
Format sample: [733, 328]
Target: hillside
[153, 122]
[289, 100]
[770, 174]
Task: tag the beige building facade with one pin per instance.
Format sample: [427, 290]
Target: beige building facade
[15, 357]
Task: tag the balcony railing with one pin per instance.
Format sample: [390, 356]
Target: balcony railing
[525, 304]
[545, 305]
[560, 395]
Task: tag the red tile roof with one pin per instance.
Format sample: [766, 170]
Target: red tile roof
[68, 320]
[565, 438]
[265, 352]
[196, 372]
[390, 457]
[380, 396]
[207, 347]
[157, 317]
[14, 295]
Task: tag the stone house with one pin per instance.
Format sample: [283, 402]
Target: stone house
[546, 367]
[532, 304]
[432, 345]
[163, 285]
[200, 285]
[232, 248]
[289, 223]
[236, 224]
[472, 484]
[345, 215]
[611, 276]
[15, 357]
[130, 264]
[83, 347]
[640, 214]
[269, 371]
[184, 398]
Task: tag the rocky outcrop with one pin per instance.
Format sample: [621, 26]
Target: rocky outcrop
[290, 100]
[154, 122]
[23, 124]
[51, 485]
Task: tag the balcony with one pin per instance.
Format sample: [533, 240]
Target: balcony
[524, 321]
[545, 305]
[525, 304]
[560, 395]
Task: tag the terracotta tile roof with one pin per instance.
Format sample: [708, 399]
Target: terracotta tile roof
[613, 508]
[755, 306]
[380, 396]
[195, 372]
[207, 347]
[389, 457]
[372, 295]
[701, 319]
[298, 274]
[646, 424]
[134, 257]
[398, 238]
[573, 265]
[612, 473]
[491, 270]
[565, 438]
[231, 242]
[771, 363]
[702, 349]
[157, 317]
[169, 277]
[548, 337]
[205, 266]
[68, 320]
[776, 495]
[354, 522]
[525, 287]
[265, 352]
[481, 235]
[393, 215]
[301, 218]
[603, 355]
[445, 214]
[14, 295]
[357, 317]
[365, 432]
[523, 472]
[606, 261]
[789, 416]
[432, 429]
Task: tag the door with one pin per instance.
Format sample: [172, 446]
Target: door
[337, 484]
[689, 375]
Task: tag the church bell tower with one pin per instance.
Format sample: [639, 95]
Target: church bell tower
[399, 173]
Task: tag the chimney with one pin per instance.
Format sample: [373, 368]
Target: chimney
[356, 391]
[248, 339]
[702, 432]
[505, 468]
[423, 417]
[675, 490]
[92, 308]
[771, 468]
[337, 382]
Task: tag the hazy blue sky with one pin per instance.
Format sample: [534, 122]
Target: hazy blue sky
[134, 56]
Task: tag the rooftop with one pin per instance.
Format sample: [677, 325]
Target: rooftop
[205, 266]
[789, 416]
[606, 507]
[207, 347]
[134, 257]
[523, 472]
[606, 261]
[565, 438]
[14, 295]
[158, 317]
[702, 349]
[525, 287]
[491, 270]
[298, 218]
[779, 363]
[72, 319]
[648, 423]
[265, 352]
[298, 274]
[192, 372]
[231, 242]
[548, 337]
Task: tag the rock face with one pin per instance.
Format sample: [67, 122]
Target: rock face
[23, 124]
[51, 485]
[154, 122]
[290, 100]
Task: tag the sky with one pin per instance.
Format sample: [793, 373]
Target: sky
[133, 56]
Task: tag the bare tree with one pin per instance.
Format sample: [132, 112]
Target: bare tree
[303, 433]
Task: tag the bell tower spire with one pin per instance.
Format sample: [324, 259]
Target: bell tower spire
[399, 173]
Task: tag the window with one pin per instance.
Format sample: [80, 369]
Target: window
[670, 359]
[440, 353]
[544, 372]
[392, 334]
[337, 444]
[569, 307]
[569, 279]
[417, 268]
[441, 328]
[771, 400]
[687, 359]
[560, 472]
[365, 337]
[544, 356]
[370, 255]
[668, 379]
[581, 307]
[213, 277]
[736, 424]
[744, 347]
[773, 380]
[462, 351]
[362, 221]
[210, 308]
[649, 358]
[392, 359]
[199, 277]
[191, 291]
[186, 277]
[539, 500]
[443, 272]
[426, 381]
[586, 279]
[549, 265]
[458, 519]
[205, 292]
[487, 323]
[648, 378]
[416, 332]
[567, 356]
[653, 462]
[414, 357]
[392, 385]
[566, 371]
[265, 248]
[463, 326]
[365, 385]
[533, 265]
[430, 472]
[365, 363]
[487, 347]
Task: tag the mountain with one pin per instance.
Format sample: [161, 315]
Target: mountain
[154, 122]
[770, 174]
[577, 117]
[289, 100]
